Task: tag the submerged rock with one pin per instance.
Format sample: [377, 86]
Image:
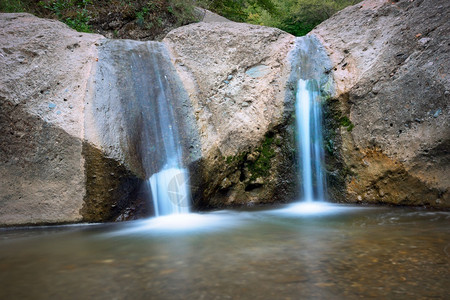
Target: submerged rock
[390, 69]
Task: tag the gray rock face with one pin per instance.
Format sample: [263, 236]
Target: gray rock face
[70, 145]
[50, 171]
[77, 136]
[390, 61]
[41, 166]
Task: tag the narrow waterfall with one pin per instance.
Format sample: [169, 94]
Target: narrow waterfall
[170, 185]
[310, 79]
[309, 139]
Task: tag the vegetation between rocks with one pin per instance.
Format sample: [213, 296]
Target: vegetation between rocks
[258, 162]
[139, 19]
[297, 17]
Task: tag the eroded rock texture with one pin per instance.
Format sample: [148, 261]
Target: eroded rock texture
[391, 137]
[236, 76]
[49, 171]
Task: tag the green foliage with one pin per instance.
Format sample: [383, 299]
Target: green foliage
[12, 6]
[238, 159]
[72, 12]
[183, 11]
[83, 15]
[297, 17]
[149, 14]
[79, 22]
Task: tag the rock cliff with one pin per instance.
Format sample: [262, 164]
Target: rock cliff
[49, 171]
[71, 136]
[389, 140]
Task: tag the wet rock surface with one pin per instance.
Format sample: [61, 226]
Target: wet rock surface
[389, 140]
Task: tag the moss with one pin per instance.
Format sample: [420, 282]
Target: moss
[339, 119]
[345, 122]
[238, 159]
[261, 166]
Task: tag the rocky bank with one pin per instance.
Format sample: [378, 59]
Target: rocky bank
[236, 76]
[389, 132]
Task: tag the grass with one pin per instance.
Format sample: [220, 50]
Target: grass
[13, 6]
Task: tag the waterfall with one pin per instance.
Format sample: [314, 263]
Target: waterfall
[155, 123]
[170, 184]
[310, 79]
[309, 140]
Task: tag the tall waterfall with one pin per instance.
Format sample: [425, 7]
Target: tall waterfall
[310, 79]
[170, 185]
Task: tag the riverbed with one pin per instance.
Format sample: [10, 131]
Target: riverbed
[324, 251]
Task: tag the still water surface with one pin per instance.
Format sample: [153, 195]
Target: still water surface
[325, 252]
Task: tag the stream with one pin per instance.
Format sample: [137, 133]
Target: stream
[303, 251]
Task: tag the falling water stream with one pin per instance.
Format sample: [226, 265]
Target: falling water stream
[310, 145]
[170, 185]
[153, 121]
[309, 62]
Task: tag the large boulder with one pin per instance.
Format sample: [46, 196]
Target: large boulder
[237, 78]
[49, 172]
[73, 141]
[390, 138]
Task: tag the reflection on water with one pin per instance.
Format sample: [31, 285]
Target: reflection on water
[327, 252]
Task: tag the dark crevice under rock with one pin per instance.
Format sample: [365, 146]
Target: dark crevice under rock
[112, 192]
